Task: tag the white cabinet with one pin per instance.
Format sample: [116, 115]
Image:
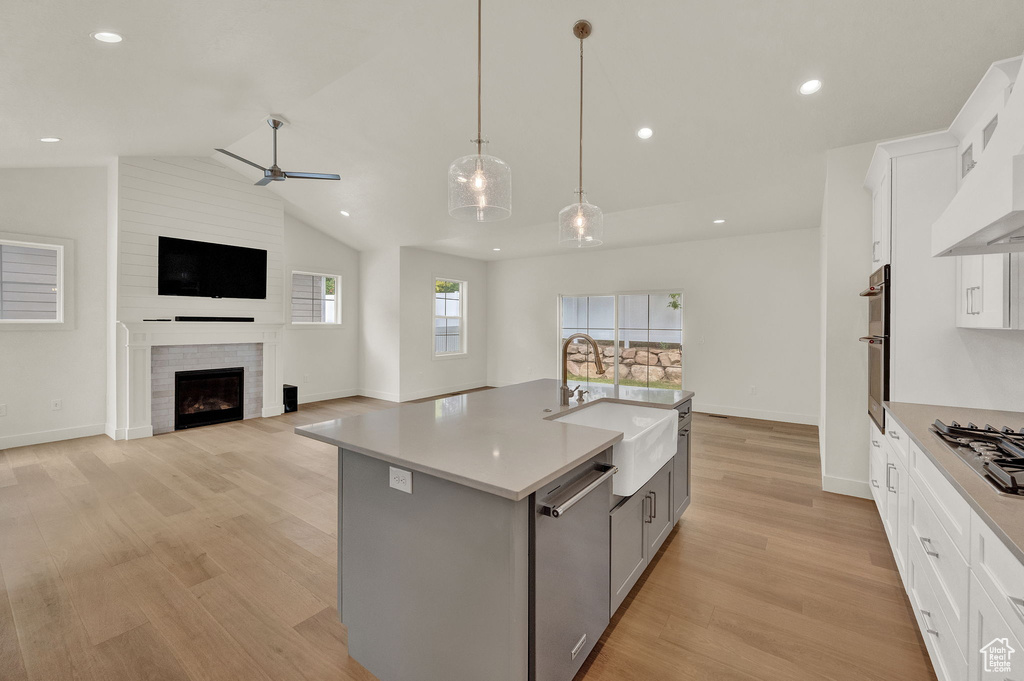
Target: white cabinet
[991, 640]
[881, 221]
[897, 509]
[984, 292]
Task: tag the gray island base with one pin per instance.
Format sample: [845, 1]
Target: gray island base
[510, 553]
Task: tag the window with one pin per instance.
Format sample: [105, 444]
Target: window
[316, 298]
[449, 317]
[987, 133]
[31, 282]
[640, 337]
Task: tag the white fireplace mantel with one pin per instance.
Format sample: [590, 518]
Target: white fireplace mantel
[133, 365]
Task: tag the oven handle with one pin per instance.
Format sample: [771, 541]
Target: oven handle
[872, 291]
[873, 340]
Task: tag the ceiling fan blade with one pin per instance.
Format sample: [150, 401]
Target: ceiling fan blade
[314, 176]
[239, 158]
[264, 182]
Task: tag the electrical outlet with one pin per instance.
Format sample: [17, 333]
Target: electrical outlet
[56, 405]
[400, 479]
[305, 378]
[753, 390]
[3, 410]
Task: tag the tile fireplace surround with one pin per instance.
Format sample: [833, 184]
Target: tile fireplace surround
[169, 359]
[148, 355]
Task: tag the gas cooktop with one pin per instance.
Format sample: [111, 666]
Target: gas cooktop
[995, 455]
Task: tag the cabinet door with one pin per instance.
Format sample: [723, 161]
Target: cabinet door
[681, 475]
[882, 222]
[877, 473]
[898, 509]
[628, 545]
[991, 638]
[660, 521]
[983, 291]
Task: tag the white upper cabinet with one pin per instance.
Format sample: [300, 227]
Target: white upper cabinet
[987, 213]
[881, 220]
[983, 286]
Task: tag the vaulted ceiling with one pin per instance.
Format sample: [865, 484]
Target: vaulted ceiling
[384, 94]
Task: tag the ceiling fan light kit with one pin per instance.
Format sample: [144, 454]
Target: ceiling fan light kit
[479, 185]
[581, 224]
[274, 173]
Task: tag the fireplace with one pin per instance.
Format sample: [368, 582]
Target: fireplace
[208, 396]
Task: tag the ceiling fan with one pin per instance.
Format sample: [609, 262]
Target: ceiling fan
[274, 173]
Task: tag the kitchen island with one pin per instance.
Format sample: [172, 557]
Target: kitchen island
[451, 565]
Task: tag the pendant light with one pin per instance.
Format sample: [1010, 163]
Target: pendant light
[581, 224]
[479, 186]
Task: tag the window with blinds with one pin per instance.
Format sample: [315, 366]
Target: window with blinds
[316, 298]
[30, 282]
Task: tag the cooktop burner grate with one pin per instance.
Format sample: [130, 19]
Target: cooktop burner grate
[997, 455]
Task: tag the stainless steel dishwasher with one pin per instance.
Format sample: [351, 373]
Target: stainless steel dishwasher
[569, 569]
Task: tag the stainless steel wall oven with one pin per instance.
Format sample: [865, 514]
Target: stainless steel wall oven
[877, 339]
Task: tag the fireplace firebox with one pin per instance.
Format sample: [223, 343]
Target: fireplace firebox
[208, 396]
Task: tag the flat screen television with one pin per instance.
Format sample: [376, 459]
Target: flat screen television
[206, 270]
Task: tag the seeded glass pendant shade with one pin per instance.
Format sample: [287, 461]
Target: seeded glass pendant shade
[581, 224]
[479, 185]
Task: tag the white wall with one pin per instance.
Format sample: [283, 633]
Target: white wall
[328, 356]
[421, 374]
[69, 364]
[845, 267]
[379, 323]
[753, 300]
[199, 199]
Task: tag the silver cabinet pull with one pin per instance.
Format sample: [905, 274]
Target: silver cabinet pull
[926, 543]
[874, 483]
[875, 443]
[647, 516]
[606, 470]
[1017, 605]
[928, 615]
[894, 434]
[654, 505]
[889, 468]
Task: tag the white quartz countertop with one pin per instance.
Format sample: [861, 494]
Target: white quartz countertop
[499, 441]
[1003, 514]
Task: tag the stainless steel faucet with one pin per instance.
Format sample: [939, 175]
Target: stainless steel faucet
[566, 392]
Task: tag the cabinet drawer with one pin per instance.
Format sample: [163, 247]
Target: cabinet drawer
[949, 663]
[897, 438]
[952, 511]
[989, 641]
[1001, 574]
[950, 577]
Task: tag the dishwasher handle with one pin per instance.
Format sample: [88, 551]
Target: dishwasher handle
[605, 471]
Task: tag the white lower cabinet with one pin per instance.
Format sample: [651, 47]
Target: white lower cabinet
[991, 641]
[939, 638]
[965, 585]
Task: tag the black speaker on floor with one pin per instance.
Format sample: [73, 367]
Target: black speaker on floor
[291, 398]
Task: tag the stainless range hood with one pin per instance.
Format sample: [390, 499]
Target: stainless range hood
[987, 213]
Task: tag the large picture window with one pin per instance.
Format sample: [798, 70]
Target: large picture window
[316, 298]
[640, 336]
[31, 282]
[449, 317]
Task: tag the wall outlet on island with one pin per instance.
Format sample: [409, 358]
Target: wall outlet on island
[753, 390]
[400, 479]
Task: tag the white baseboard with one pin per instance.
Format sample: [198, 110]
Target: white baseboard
[42, 437]
[430, 392]
[763, 415]
[851, 488]
[138, 432]
[332, 395]
[379, 395]
[272, 410]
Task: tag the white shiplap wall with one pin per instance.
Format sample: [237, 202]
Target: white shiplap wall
[199, 199]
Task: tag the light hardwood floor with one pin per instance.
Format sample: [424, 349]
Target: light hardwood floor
[209, 555]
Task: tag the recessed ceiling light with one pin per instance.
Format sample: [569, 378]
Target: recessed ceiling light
[719, 221]
[344, 212]
[810, 87]
[49, 139]
[495, 249]
[107, 37]
[644, 133]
